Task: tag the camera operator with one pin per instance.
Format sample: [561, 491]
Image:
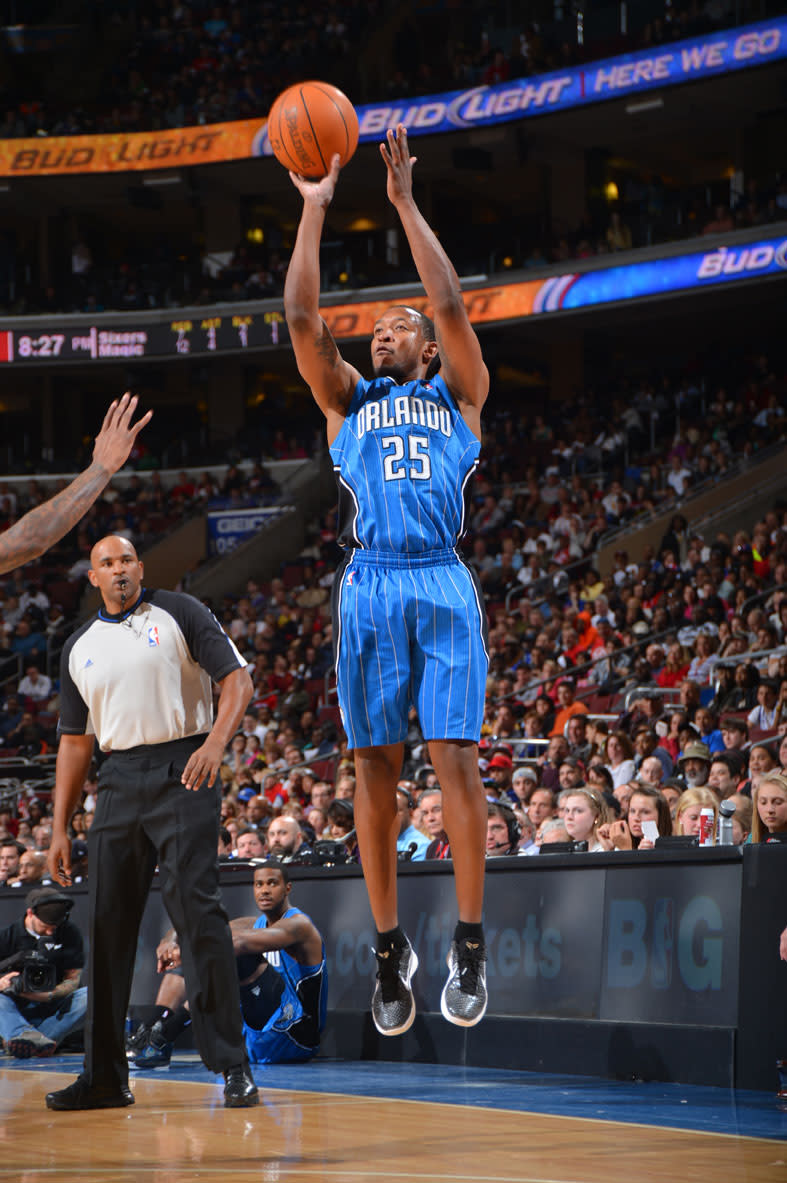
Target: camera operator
[41, 957]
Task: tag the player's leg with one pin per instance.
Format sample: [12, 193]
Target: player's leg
[370, 613]
[153, 1046]
[450, 678]
[464, 819]
[377, 772]
[377, 826]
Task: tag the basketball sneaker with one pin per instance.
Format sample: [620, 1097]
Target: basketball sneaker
[31, 1042]
[393, 1005]
[156, 1053]
[137, 1040]
[464, 995]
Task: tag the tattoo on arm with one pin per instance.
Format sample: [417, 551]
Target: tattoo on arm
[326, 346]
[45, 525]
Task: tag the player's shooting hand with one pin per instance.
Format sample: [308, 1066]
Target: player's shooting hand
[116, 438]
[396, 154]
[58, 859]
[318, 192]
[203, 764]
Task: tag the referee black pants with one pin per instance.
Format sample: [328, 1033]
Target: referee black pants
[144, 816]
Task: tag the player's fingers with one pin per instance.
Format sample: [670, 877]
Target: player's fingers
[127, 407]
[137, 427]
[109, 415]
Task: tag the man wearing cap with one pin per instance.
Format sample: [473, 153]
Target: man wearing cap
[500, 770]
[694, 764]
[34, 1022]
[408, 835]
[571, 773]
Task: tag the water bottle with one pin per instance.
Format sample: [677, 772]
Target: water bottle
[724, 831]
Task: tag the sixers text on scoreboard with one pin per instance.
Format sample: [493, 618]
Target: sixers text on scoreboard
[73, 341]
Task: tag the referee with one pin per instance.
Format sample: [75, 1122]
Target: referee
[137, 676]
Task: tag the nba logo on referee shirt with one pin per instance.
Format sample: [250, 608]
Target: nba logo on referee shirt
[153, 636]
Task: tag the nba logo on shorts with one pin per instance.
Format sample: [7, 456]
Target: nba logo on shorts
[153, 636]
[350, 579]
[663, 943]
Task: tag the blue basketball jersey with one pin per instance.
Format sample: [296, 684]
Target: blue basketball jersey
[403, 459]
[293, 1031]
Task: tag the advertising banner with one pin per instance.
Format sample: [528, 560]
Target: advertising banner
[627, 75]
[671, 945]
[661, 277]
[228, 528]
[145, 336]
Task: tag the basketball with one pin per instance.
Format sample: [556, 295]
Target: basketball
[308, 123]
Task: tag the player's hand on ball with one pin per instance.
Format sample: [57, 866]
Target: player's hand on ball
[319, 192]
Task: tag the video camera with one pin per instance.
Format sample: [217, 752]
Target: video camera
[324, 853]
[37, 975]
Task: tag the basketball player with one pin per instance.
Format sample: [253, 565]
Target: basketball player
[408, 616]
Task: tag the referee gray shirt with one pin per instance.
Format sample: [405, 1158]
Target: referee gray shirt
[144, 676]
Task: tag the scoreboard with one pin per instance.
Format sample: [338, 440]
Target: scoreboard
[72, 339]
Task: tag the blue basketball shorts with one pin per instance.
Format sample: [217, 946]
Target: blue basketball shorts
[409, 630]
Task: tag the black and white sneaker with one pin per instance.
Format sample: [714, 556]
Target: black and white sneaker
[393, 1005]
[464, 995]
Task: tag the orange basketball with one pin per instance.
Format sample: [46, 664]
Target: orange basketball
[308, 123]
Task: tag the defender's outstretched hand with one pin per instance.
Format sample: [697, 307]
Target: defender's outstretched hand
[396, 154]
[116, 438]
[319, 192]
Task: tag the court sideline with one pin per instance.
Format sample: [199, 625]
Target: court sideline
[356, 1122]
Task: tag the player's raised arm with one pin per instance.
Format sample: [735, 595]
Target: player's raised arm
[462, 365]
[43, 526]
[330, 378]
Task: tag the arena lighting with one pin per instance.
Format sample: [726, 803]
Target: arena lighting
[163, 179]
[645, 105]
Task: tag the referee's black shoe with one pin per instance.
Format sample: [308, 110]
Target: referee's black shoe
[81, 1095]
[240, 1091]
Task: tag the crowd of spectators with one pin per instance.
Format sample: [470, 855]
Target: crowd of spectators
[189, 63]
[163, 64]
[669, 672]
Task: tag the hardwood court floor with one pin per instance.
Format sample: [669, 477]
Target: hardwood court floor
[179, 1131]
